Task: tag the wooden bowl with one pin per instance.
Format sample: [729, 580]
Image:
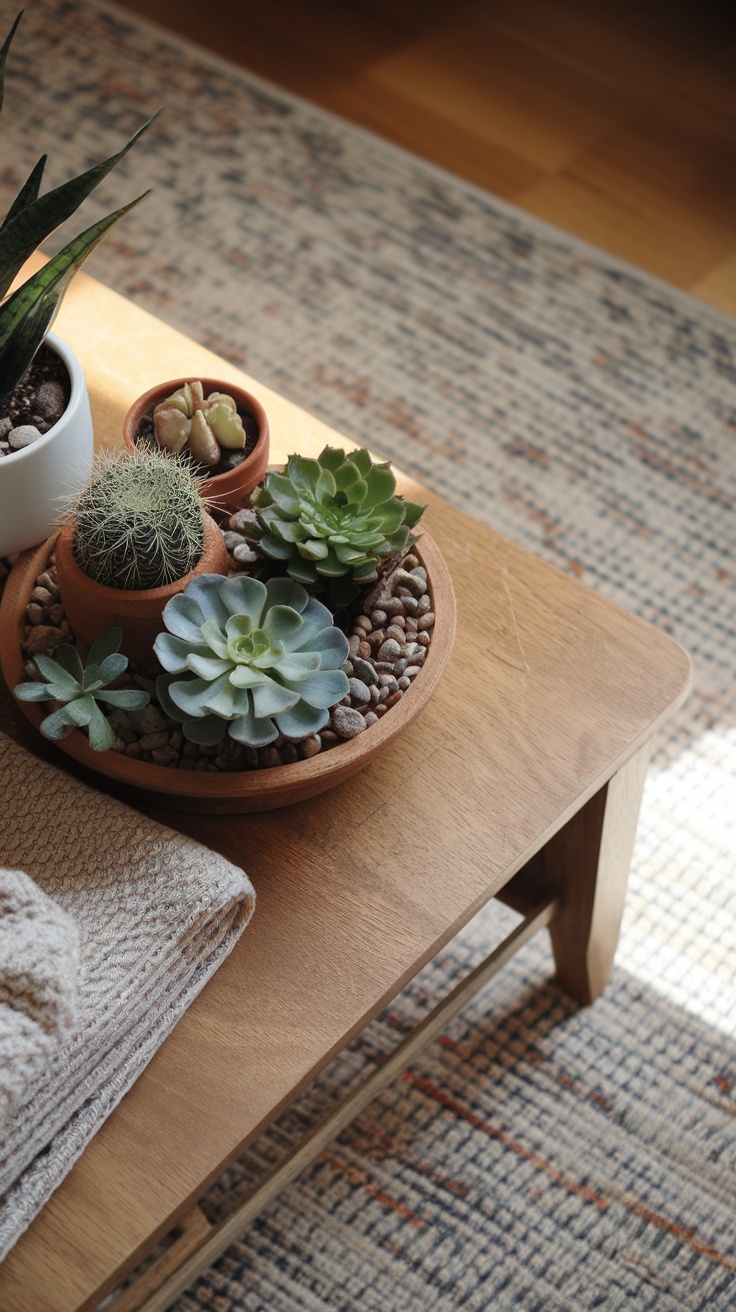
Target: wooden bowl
[244, 790]
[233, 487]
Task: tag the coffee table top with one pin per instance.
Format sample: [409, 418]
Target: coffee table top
[549, 690]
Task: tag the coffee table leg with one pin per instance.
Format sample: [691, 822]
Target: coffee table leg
[588, 862]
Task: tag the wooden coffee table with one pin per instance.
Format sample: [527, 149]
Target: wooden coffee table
[523, 778]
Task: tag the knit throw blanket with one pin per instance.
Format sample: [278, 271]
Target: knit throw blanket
[155, 914]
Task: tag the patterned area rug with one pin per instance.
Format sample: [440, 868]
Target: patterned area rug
[539, 1156]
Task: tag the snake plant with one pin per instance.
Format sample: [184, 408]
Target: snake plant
[249, 659]
[330, 520]
[27, 314]
[79, 688]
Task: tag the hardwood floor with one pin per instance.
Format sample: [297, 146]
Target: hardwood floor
[615, 119]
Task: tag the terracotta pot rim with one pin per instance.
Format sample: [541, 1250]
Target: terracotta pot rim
[244, 790]
[112, 595]
[217, 485]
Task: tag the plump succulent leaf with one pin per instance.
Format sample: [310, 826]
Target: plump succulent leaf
[331, 520]
[80, 688]
[249, 659]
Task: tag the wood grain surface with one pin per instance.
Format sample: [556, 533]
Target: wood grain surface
[550, 690]
[615, 119]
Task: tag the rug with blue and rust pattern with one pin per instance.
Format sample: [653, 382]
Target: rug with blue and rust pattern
[540, 1156]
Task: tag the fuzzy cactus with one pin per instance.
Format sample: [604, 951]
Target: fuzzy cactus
[249, 659]
[78, 688]
[332, 519]
[138, 522]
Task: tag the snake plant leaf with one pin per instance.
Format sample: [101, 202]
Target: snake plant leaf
[27, 193]
[27, 315]
[4, 55]
[33, 223]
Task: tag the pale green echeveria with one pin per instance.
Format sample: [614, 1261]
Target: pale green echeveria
[333, 518]
[249, 659]
[78, 688]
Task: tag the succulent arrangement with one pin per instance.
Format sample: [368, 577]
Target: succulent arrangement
[138, 522]
[329, 521]
[249, 659]
[27, 314]
[203, 426]
[79, 688]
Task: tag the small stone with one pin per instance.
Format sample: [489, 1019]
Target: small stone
[411, 561]
[375, 639]
[41, 595]
[148, 720]
[146, 685]
[412, 671]
[34, 613]
[388, 681]
[370, 718]
[310, 747]
[151, 742]
[22, 436]
[400, 666]
[364, 650]
[353, 645]
[384, 667]
[401, 578]
[209, 749]
[329, 737]
[398, 635]
[231, 459]
[242, 521]
[394, 606]
[43, 638]
[380, 711]
[133, 749]
[423, 605]
[359, 693]
[289, 754]
[389, 650]
[426, 621]
[374, 693]
[419, 572]
[164, 756]
[57, 614]
[268, 757]
[410, 650]
[189, 751]
[48, 580]
[378, 618]
[394, 698]
[347, 722]
[363, 623]
[244, 555]
[347, 668]
[404, 683]
[423, 639]
[176, 740]
[118, 745]
[5, 427]
[233, 539]
[410, 605]
[50, 401]
[383, 695]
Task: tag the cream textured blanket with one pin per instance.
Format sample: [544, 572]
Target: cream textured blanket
[156, 914]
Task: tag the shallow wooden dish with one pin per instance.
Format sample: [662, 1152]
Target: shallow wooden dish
[244, 790]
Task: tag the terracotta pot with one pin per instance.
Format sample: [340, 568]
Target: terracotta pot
[232, 488]
[91, 606]
[34, 482]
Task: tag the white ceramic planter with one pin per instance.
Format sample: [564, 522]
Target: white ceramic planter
[36, 482]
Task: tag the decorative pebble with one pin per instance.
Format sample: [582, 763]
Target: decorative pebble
[370, 718]
[411, 671]
[389, 650]
[310, 747]
[43, 638]
[426, 621]
[423, 605]
[414, 585]
[34, 613]
[5, 427]
[245, 555]
[359, 693]
[232, 539]
[393, 606]
[242, 521]
[364, 650]
[363, 623]
[41, 595]
[394, 698]
[50, 402]
[151, 742]
[404, 683]
[353, 645]
[378, 618]
[347, 722]
[22, 436]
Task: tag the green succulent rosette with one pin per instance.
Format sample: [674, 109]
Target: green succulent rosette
[331, 520]
[80, 688]
[249, 659]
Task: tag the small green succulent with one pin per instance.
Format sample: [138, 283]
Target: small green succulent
[330, 520]
[80, 687]
[249, 659]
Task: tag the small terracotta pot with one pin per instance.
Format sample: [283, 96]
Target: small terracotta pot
[91, 606]
[232, 488]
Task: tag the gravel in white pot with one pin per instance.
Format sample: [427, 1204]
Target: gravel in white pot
[38, 480]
